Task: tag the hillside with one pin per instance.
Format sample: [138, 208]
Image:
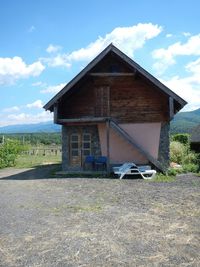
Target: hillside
[183, 122]
[47, 127]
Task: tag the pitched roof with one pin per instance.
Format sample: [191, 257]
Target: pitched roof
[129, 61]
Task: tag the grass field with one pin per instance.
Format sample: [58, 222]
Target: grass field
[28, 161]
[39, 155]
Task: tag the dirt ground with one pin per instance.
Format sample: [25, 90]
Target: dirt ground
[97, 222]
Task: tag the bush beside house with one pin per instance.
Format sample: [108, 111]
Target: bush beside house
[181, 153]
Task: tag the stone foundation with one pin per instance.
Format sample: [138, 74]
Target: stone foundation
[163, 153]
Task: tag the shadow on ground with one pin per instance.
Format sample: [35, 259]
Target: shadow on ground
[52, 171]
[38, 172]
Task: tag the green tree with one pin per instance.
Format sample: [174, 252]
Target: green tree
[182, 138]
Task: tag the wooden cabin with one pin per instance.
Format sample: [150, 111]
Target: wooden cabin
[115, 108]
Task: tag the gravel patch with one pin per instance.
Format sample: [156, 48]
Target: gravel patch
[97, 222]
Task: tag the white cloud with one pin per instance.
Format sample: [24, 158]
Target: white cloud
[194, 67]
[12, 69]
[166, 57]
[31, 29]
[58, 60]
[24, 118]
[53, 48]
[11, 109]
[53, 89]
[186, 34]
[188, 87]
[128, 39]
[36, 104]
[169, 35]
[185, 87]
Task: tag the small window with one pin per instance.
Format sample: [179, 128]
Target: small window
[74, 138]
[74, 145]
[86, 144]
[86, 137]
[75, 152]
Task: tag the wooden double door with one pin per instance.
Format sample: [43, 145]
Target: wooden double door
[80, 147]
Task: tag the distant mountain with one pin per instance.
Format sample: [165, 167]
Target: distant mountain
[48, 126]
[184, 122]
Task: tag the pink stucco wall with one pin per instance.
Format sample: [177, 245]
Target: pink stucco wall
[146, 134]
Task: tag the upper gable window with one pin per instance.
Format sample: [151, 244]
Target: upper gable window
[114, 68]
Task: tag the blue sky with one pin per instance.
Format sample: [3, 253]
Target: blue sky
[44, 44]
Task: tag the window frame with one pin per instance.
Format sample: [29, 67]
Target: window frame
[86, 151]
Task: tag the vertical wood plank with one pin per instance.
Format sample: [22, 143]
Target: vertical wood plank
[108, 101]
[101, 100]
[108, 145]
[55, 111]
[171, 107]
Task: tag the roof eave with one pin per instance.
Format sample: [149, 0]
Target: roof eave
[111, 47]
[149, 76]
[78, 77]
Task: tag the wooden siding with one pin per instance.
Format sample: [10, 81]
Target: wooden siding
[134, 100]
[123, 98]
[111, 63]
[130, 99]
[80, 104]
[102, 101]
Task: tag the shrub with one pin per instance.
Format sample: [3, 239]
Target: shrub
[9, 152]
[174, 172]
[190, 167]
[177, 152]
[181, 154]
[191, 157]
[198, 161]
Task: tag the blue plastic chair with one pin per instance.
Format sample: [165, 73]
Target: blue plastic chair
[90, 160]
[101, 161]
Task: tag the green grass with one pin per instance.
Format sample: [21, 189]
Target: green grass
[90, 208]
[29, 161]
[161, 178]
